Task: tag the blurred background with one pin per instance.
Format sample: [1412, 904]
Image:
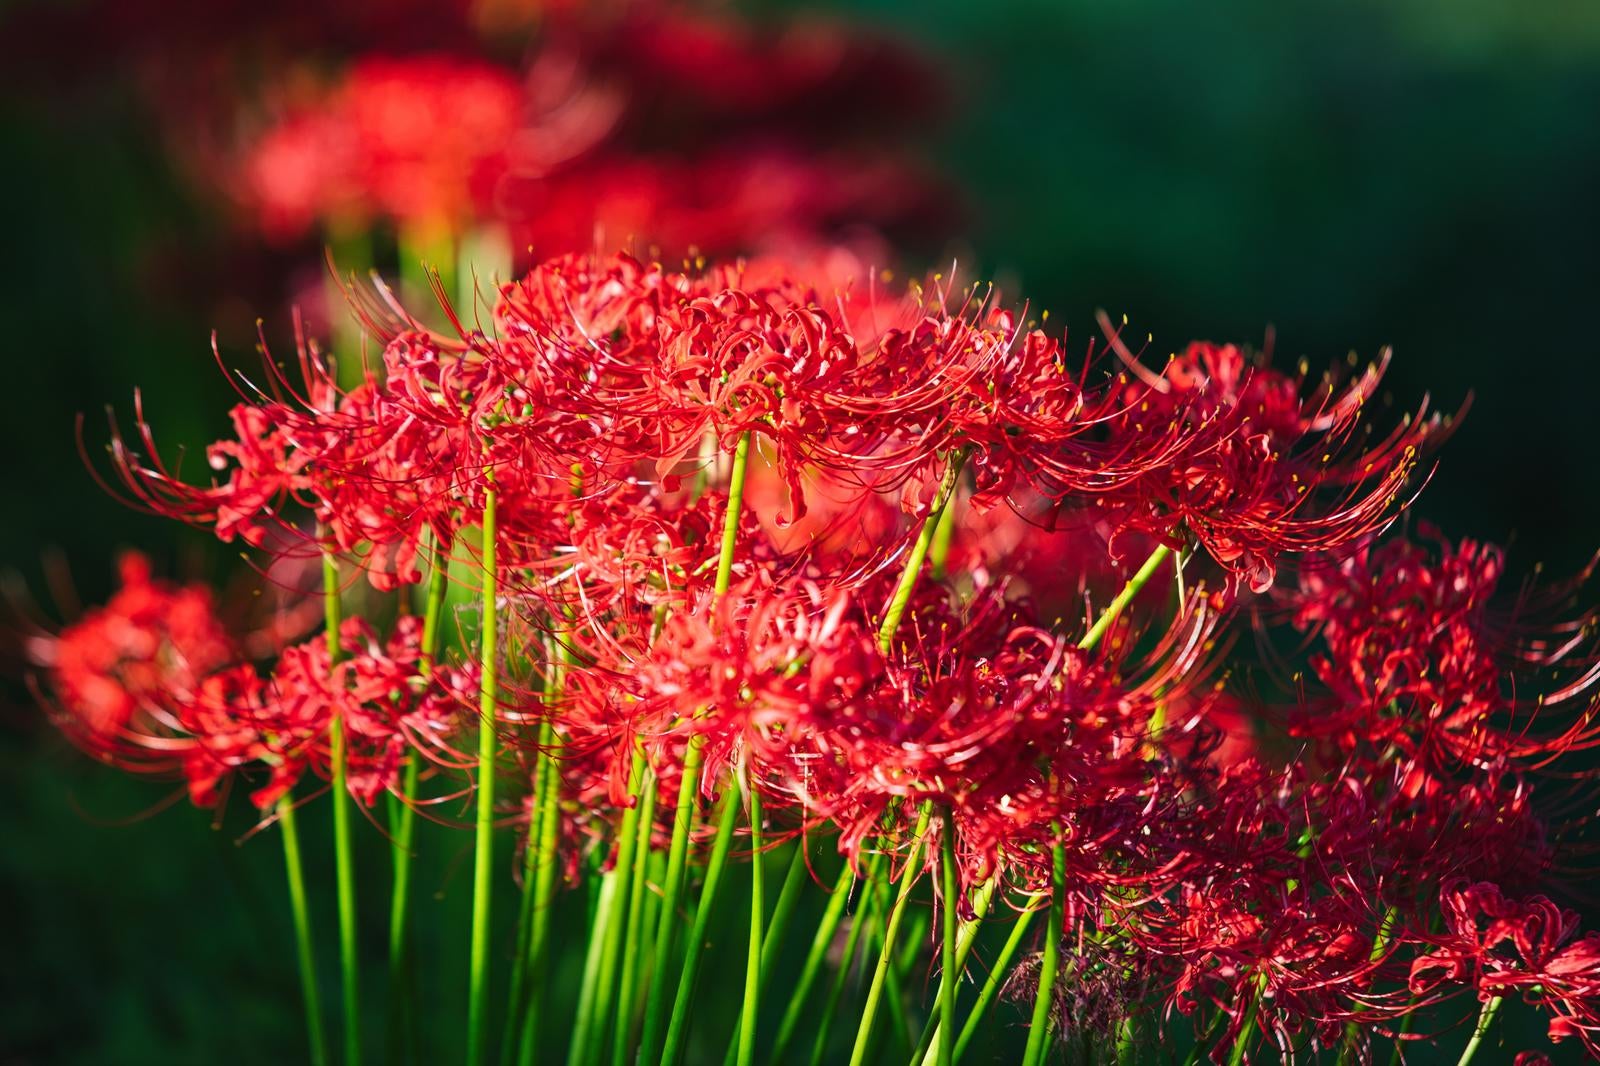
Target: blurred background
[1339, 176]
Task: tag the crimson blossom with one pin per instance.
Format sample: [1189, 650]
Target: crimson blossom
[153, 682]
[719, 561]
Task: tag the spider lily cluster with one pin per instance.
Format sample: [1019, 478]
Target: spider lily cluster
[685, 578]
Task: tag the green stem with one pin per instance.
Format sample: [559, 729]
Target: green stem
[1125, 1041]
[917, 926]
[1043, 1006]
[943, 533]
[753, 960]
[902, 955]
[599, 934]
[966, 936]
[483, 843]
[1479, 1031]
[908, 877]
[433, 607]
[1123, 598]
[544, 774]
[1380, 942]
[919, 552]
[595, 997]
[788, 898]
[891, 623]
[402, 825]
[544, 884]
[682, 821]
[302, 932]
[948, 966]
[672, 892]
[635, 946]
[818, 953]
[402, 833]
[991, 984]
[516, 1000]
[694, 949]
[772, 941]
[1247, 1030]
[730, 521]
[830, 1009]
[344, 861]
[584, 1042]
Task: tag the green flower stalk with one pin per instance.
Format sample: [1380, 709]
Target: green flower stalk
[773, 935]
[694, 950]
[948, 961]
[832, 915]
[896, 608]
[1044, 1006]
[752, 978]
[483, 845]
[880, 975]
[344, 859]
[1486, 1018]
[635, 946]
[403, 823]
[304, 954]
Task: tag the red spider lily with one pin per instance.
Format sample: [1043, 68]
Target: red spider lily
[743, 672]
[611, 364]
[1421, 655]
[380, 468]
[1279, 888]
[389, 709]
[1499, 947]
[1260, 466]
[841, 521]
[151, 682]
[1010, 731]
[672, 364]
[669, 364]
[238, 719]
[139, 656]
[1296, 904]
[1272, 956]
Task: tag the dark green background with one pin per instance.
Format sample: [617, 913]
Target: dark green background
[1420, 174]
